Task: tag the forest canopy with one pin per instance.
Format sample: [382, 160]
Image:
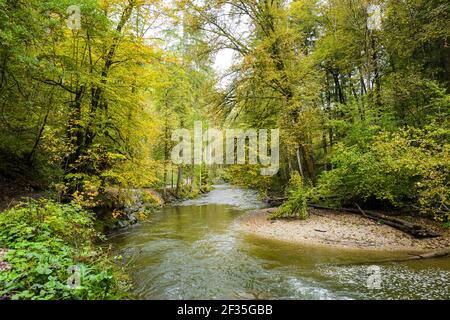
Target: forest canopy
[93, 93]
[360, 90]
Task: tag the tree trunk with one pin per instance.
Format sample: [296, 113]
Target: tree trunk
[200, 179]
[193, 179]
[179, 178]
[310, 165]
[30, 156]
[165, 181]
[339, 92]
[376, 69]
[299, 162]
[290, 167]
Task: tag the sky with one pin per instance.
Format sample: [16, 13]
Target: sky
[222, 62]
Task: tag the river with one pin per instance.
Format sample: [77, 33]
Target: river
[191, 250]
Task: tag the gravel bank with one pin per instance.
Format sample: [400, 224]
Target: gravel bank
[342, 230]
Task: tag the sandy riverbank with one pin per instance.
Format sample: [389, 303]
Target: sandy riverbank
[342, 230]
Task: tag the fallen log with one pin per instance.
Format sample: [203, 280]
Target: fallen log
[351, 210]
[275, 202]
[413, 229]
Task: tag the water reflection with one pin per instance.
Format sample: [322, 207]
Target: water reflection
[191, 251]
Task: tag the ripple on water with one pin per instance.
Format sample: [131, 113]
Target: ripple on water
[228, 195]
[398, 281]
[191, 251]
[309, 290]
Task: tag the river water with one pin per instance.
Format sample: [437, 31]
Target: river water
[192, 250]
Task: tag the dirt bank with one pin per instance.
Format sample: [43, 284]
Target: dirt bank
[340, 230]
[11, 193]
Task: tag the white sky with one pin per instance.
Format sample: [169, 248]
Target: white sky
[223, 60]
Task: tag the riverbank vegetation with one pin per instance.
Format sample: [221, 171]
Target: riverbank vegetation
[88, 104]
[51, 254]
[92, 107]
[336, 229]
[362, 100]
[360, 91]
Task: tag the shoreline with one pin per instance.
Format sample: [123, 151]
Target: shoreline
[340, 230]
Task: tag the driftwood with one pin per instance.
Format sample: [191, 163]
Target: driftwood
[275, 202]
[351, 210]
[413, 229]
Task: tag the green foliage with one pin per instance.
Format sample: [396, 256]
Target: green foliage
[357, 105]
[90, 110]
[44, 239]
[409, 167]
[296, 205]
[248, 176]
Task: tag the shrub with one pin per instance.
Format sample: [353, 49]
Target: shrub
[407, 168]
[44, 241]
[296, 205]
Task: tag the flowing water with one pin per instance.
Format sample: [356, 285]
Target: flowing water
[192, 251]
